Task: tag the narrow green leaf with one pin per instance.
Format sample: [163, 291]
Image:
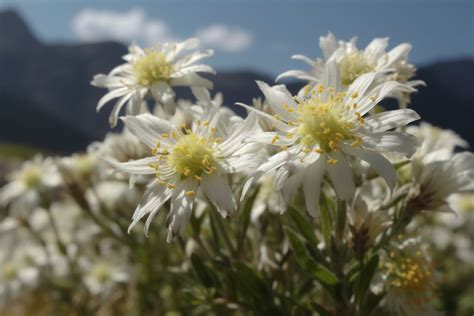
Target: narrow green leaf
[321, 274]
[243, 220]
[203, 273]
[325, 220]
[367, 275]
[304, 225]
[371, 302]
[254, 290]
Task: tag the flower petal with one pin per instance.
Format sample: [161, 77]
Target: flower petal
[217, 189]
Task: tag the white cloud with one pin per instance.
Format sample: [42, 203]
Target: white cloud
[91, 25]
[226, 38]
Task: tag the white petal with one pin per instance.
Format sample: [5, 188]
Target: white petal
[112, 95]
[140, 166]
[217, 189]
[241, 163]
[375, 49]
[391, 119]
[341, 177]
[298, 74]
[148, 128]
[277, 97]
[181, 208]
[312, 185]
[194, 57]
[271, 138]
[241, 132]
[380, 92]
[392, 142]
[113, 117]
[273, 162]
[398, 54]
[328, 45]
[359, 86]
[292, 184]
[153, 199]
[380, 164]
[305, 59]
[191, 79]
[331, 77]
[197, 68]
[278, 124]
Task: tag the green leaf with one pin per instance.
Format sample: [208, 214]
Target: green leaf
[304, 225]
[243, 221]
[320, 273]
[252, 280]
[367, 275]
[371, 302]
[203, 273]
[325, 220]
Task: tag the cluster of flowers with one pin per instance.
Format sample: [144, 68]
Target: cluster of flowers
[332, 139]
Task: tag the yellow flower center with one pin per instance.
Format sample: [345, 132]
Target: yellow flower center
[352, 66]
[31, 176]
[85, 164]
[101, 273]
[152, 68]
[10, 271]
[322, 123]
[413, 276]
[191, 156]
[465, 202]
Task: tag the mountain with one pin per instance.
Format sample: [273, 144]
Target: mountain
[23, 122]
[50, 85]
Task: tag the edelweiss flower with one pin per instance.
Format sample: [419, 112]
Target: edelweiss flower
[102, 276]
[353, 62]
[436, 181]
[184, 160]
[36, 177]
[321, 130]
[365, 226]
[410, 280]
[438, 143]
[119, 146]
[152, 72]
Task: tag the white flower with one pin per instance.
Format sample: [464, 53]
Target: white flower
[267, 199]
[19, 265]
[79, 168]
[353, 62]
[102, 276]
[410, 280]
[36, 177]
[119, 146]
[323, 129]
[438, 144]
[365, 226]
[436, 181]
[152, 72]
[184, 160]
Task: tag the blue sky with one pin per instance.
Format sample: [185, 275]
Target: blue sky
[269, 31]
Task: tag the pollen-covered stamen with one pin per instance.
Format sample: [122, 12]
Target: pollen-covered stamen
[352, 66]
[324, 123]
[151, 68]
